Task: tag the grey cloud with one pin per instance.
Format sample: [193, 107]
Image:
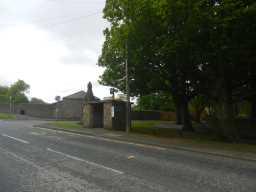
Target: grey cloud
[77, 24]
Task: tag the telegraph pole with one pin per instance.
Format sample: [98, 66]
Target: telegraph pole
[128, 106]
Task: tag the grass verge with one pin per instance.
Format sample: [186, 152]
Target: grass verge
[173, 137]
[7, 116]
[149, 128]
[66, 124]
[194, 140]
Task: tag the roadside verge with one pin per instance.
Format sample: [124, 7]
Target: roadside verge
[154, 142]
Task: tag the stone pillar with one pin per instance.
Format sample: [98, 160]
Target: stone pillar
[87, 118]
[107, 121]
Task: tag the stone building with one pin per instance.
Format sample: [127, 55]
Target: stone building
[69, 108]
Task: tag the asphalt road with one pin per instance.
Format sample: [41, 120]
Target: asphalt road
[34, 159]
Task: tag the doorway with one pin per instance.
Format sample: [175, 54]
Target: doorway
[22, 112]
[97, 112]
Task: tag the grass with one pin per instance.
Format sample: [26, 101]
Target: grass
[172, 136]
[7, 116]
[66, 124]
[148, 127]
[200, 141]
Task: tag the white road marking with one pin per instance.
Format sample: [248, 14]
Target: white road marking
[16, 139]
[85, 161]
[109, 140]
[19, 158]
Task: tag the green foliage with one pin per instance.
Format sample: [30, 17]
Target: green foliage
[188, 48]
[4, 94]
[149, 128]
[6, 116]
[3, 90]
[197, 105]
[66, 124]
[244, 109]
[20, 98]
[19, 87]
[16, 92]
[157, 101]
[4, 99]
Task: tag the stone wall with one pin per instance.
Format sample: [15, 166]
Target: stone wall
[71, 109]
[35, 110]
[4, 108]
[87, 116]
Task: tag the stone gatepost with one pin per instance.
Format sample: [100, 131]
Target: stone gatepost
[107, 115]
[87, 118]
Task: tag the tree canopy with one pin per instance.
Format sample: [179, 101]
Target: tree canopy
[15, 93]
[156, 101]
[187, 48]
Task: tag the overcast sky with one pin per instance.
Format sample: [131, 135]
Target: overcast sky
[53, 45]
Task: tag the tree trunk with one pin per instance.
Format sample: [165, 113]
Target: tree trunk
[186, 119]
[178, 113]
[226, 116]
[198, 116]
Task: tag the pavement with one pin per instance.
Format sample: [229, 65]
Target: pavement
[39, 159]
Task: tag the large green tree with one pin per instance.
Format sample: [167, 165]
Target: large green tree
[159, 37]
[203, 47]
[228, 63]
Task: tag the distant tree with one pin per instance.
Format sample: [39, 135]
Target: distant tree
[21, 98]
[157, 101]
[35, 100]
[17, 92]
[3, 90]
[4, 99]
[4, 94]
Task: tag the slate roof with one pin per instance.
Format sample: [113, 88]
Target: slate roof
[79, 95]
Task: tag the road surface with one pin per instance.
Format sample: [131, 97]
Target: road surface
[41, 160]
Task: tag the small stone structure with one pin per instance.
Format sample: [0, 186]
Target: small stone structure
[71, 107]
[108, 114]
